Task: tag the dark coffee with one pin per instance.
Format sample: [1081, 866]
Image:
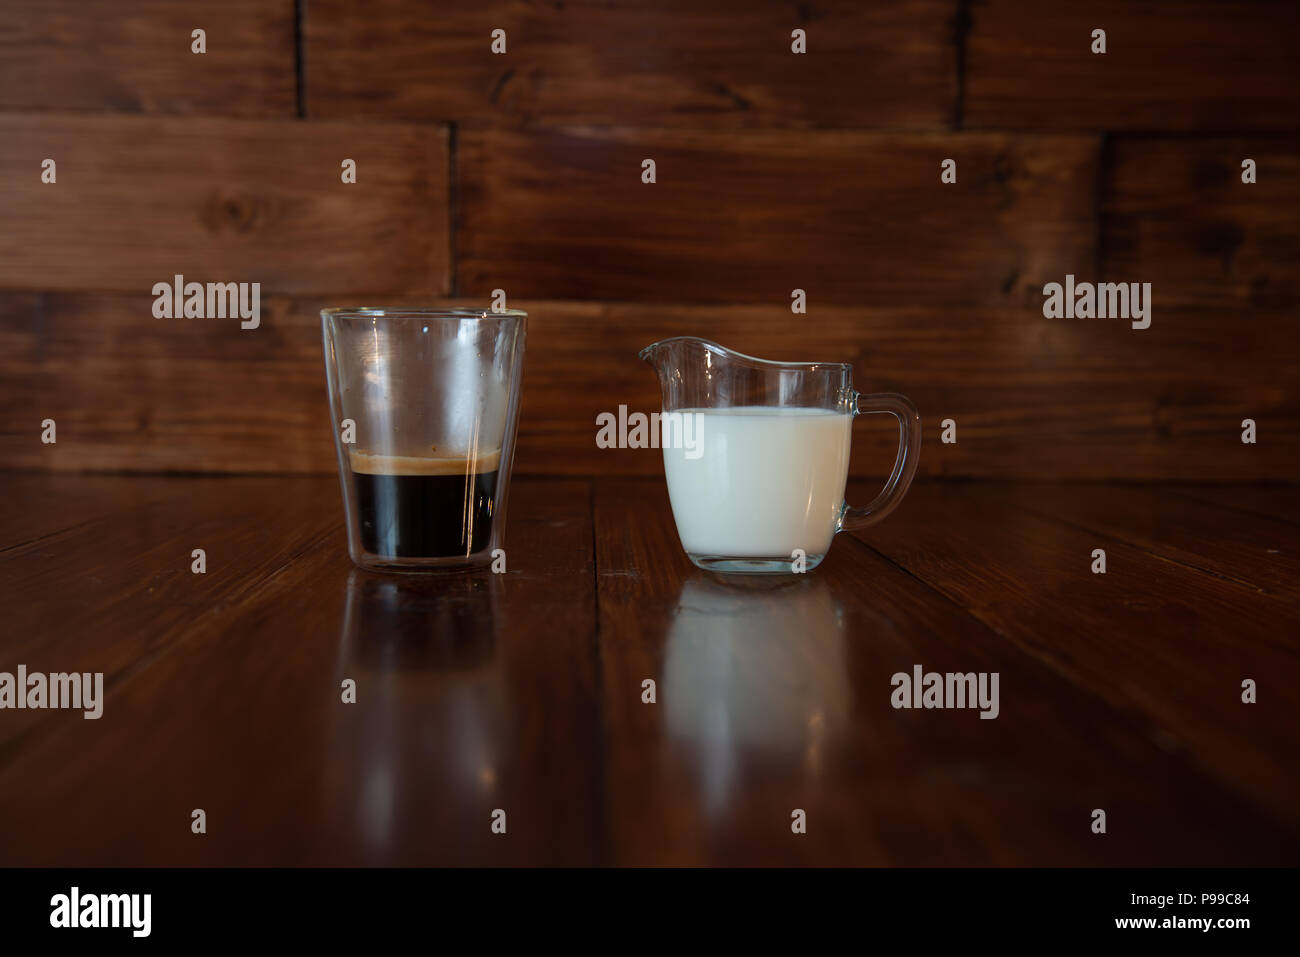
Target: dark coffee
[413, 507]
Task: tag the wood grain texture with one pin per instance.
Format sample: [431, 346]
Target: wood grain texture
[81, 499]
[1176, 214]
[1277, 502]
[129, 391]
[852, 218]
[774, 694]
[131, 572]
[134, 56]
[1151, 636]
[523, 691]
[1200, 65]
[1031, 397]
[223, 691]
[681, 63]
[138, 200]
[1260, 552]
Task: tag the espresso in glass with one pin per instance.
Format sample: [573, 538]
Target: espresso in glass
[425, 506]
[424, 404]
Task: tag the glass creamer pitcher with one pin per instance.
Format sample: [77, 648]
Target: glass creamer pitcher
[756, 453]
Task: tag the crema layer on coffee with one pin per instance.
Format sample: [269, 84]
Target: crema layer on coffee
[371, 463]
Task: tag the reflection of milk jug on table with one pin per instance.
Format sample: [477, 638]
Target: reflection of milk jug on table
[755, 672]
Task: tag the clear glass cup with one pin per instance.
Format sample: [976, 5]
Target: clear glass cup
[756, 454]
[425, 404]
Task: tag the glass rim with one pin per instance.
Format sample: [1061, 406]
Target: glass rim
[417, 312]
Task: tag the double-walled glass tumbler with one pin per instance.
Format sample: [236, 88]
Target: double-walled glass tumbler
[424, 404]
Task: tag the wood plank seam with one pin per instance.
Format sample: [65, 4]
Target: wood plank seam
[1112, 537]
[1123, 705]
[603, 844]
[69, 528]
[453, 206]
[117, 679]
[299, 56]
[1123, 708]
[962, 23]
[1178, 493]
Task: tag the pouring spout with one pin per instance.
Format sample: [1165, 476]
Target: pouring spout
[650, 353]
[688, 362]
[682, 346]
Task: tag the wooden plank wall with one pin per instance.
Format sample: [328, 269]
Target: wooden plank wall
[774, 171]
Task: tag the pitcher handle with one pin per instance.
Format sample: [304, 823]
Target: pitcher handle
[909, 454]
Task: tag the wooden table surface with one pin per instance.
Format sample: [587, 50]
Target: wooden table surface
[523, 692]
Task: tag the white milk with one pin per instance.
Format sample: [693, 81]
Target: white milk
[770, 480]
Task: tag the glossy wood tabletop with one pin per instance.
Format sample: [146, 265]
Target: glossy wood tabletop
[524, 692]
